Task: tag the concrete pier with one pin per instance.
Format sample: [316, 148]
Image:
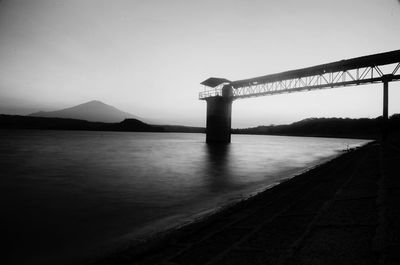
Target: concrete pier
[219, 117]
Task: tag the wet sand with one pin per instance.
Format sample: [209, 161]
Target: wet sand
[342, 212]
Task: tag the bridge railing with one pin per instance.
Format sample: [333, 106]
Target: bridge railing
[210, 93]
[358, 76]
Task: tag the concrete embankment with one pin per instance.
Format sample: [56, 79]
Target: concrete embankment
[342, 212]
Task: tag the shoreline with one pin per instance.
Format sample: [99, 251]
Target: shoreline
[157, 241]
[303, 128]
[355, 137]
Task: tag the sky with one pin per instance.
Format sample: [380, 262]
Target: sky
[149, 57]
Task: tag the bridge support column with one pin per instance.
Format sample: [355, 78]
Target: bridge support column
[385, 100]
[219, 116]
[385, 114]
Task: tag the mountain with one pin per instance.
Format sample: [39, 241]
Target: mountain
[91, 111]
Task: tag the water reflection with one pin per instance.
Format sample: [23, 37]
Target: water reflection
[67, 192]
[218, 158]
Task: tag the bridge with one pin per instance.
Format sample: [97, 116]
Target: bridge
[219, 93]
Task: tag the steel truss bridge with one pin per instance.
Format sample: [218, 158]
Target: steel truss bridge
[357, 71]
[219, 93]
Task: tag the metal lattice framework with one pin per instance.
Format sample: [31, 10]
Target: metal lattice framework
[357, 76]
[363, 70]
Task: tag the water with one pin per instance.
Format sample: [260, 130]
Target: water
[71, 195]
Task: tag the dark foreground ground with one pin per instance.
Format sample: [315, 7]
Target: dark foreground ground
[343, 212]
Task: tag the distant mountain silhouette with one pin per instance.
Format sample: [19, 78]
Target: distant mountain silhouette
[94, 110]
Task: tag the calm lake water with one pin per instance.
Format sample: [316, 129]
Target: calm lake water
[71, 195]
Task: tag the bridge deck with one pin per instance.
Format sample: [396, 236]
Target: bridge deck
[356, 71]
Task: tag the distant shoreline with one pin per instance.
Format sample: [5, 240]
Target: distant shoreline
[314, 127]
[128, 125]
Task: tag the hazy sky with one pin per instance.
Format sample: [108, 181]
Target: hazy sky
[148, 57]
